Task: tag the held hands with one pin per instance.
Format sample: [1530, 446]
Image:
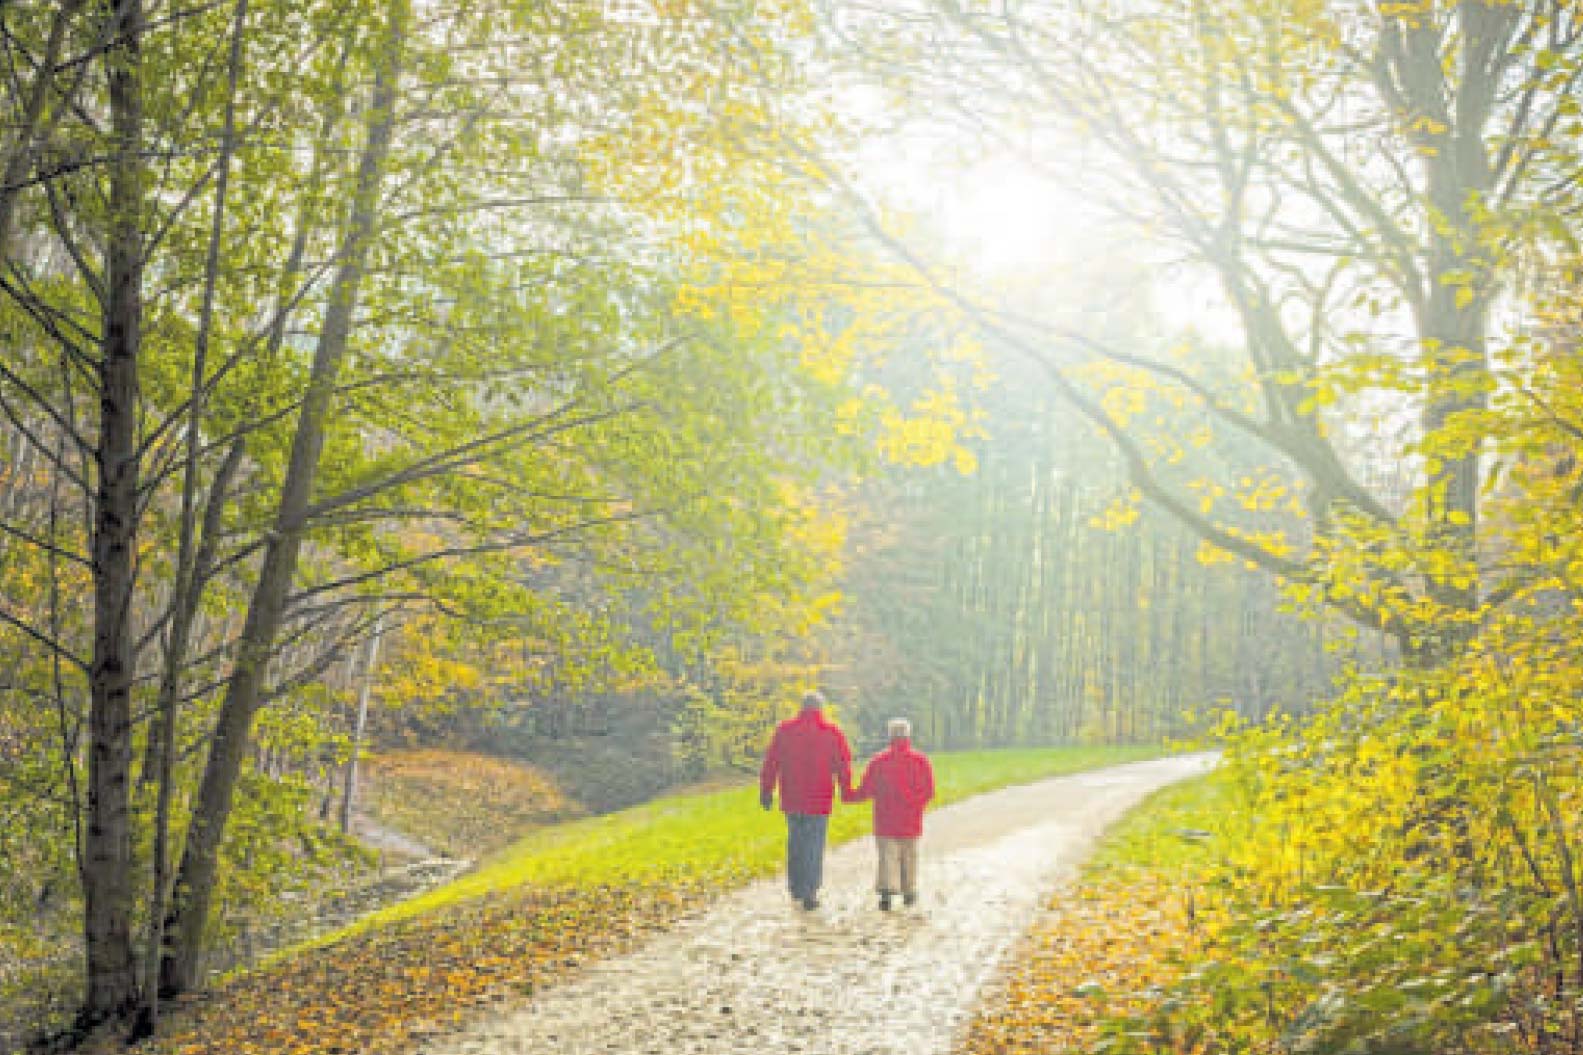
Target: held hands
[767, 799]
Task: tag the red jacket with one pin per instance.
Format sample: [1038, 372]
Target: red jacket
[900, 781]
[807, 755]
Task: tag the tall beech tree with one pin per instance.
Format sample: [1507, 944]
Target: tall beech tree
[245, 690]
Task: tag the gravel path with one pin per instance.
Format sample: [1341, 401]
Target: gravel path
[756, 976]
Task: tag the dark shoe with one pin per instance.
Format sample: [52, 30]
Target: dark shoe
[810, 903]
[909, 899]
[884, 902]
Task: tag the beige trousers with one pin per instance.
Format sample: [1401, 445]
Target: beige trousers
[898, 865]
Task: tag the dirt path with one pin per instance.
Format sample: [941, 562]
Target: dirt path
[756, 975]
[385, 840]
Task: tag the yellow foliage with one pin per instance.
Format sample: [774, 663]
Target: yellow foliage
[1122, 511]
[1209, 555]
[930, 433]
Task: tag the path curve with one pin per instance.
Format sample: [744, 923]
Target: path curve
[753, 974]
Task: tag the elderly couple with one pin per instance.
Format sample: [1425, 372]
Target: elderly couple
[808, 758]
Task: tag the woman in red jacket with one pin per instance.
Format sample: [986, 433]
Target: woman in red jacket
[900, 780]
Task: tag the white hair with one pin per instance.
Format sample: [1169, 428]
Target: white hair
[898, 727]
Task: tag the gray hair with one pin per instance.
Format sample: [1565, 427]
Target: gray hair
[813, 698]
[898, 727]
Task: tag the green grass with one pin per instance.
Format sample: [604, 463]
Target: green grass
[1167, 833]
[717, 836]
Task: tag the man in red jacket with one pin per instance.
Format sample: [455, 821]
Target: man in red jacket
[900, 780]
[806, 757]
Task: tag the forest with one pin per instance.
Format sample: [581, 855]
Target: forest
[425, 426]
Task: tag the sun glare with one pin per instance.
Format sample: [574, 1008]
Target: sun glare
[996, 214]
[1009, 218]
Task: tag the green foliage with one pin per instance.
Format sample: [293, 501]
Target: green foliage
[1380, 877]
[278, 854]
[559, 459]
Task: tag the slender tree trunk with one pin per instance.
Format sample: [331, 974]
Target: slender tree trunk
[1156, 662]
[1105, 640]
[245, 689]
[1053, 560]
[236, 453]
[107, 865]
[1128, 629]
[1074, 618]
[187, 587]
[1029, 612]
[1179, 662]
[364, 690]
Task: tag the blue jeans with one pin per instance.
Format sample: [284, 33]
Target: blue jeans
[805, 834]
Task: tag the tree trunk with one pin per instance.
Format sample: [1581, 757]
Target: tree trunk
[364, 690]
[245, 689]
[189, 571]
[111, 988]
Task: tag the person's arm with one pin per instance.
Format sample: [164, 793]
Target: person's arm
[927, 776]
[769, 772]
[843, 763]
[865, 790]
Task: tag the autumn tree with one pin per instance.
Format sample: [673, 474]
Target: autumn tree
[1384, 196]
[1361, 181]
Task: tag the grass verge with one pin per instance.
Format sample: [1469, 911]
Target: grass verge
[532, 914]
[1091, 973]
[717, 837]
